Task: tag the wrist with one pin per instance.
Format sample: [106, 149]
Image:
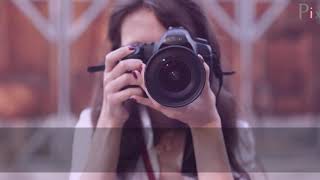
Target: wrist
[109, 122]
[213, 120]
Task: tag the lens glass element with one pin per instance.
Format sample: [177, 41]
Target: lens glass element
[174, 75]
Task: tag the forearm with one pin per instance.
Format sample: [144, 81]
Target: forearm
[104, 153]
[210, 152]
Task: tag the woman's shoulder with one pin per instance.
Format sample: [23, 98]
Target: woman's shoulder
[85, 119]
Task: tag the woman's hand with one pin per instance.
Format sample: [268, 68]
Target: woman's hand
[201, 112]
[116, 80]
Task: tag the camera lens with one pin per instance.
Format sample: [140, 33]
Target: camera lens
[175, 75]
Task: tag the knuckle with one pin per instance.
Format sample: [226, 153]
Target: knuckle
[106, 57]
[109, 55]
[109, 97]
[106, 78]
[107, 62]
[128, 78]
[122, 64]
[106, 91]
[105, 82]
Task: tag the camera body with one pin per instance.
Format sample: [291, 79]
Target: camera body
[175, 75]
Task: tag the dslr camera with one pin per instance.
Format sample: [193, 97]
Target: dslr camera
[175, 75]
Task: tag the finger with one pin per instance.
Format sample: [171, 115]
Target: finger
[127, 94]
[121, 82]
[143, 85]
[145, 101]
[113, 57]
[207, 69]
[124, 66]
[139, 78]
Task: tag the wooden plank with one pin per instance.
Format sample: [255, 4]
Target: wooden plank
[28, 48]
[89, 49]
[4, 55]
[23, 93]
[289, 65]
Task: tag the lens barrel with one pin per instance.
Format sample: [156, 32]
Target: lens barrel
[175, 76]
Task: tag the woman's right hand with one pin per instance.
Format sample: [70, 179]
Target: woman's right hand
[118, 75]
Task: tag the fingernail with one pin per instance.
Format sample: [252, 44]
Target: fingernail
[132, 99]
[131, 48]
[134, 75]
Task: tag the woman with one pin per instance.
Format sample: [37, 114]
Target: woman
[191, 142]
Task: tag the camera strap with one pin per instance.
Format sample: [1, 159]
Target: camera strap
[228, 73]
[147, 163]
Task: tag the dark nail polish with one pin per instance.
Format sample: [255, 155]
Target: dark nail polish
[133, 100]
[131, 48]
[134, 75]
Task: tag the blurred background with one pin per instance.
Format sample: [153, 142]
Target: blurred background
[46, 46]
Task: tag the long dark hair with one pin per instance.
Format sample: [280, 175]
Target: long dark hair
[188, 14]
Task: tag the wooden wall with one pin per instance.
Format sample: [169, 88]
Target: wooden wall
[28, 81]
[285, 61]
[289, 65]
[286, 64]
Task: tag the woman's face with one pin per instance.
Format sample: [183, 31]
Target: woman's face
[142, 26]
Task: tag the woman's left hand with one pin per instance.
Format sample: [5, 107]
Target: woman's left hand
[199, 113]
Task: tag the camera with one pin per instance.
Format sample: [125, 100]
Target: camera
[175, 75]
